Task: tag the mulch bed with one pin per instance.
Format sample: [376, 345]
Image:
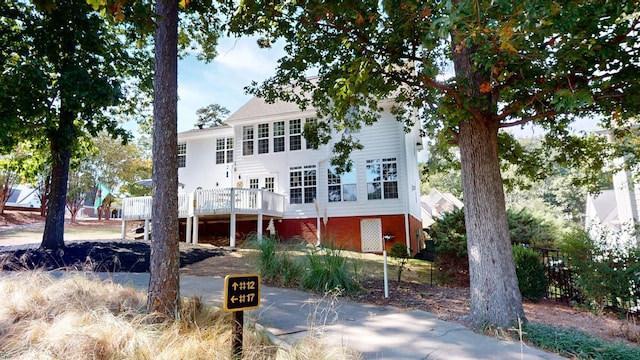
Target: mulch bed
[115, 256]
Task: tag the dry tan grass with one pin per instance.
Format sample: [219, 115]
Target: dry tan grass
[72, 317]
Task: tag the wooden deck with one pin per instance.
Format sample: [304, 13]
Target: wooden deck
[222, 203]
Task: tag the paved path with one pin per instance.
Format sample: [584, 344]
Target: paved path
[378, 332]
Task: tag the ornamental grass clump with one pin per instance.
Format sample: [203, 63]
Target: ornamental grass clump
[328, 270]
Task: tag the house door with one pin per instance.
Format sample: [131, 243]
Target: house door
[371, 235]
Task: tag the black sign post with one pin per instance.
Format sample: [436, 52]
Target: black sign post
[241, 292]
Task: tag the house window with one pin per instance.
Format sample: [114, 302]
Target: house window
[182, 155]
[382, 179]
[310, 121]
[302, 184]
[224, 150]
[295, 135]
[278, 136]
[253, 183]
[342, 187]
[270, 184]
[263, 138]
[247, 140]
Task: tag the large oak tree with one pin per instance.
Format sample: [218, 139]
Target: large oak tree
[470, 68]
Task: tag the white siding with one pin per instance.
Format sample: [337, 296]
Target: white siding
[201, 169]
[385, 139]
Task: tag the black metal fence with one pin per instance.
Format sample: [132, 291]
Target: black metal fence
[561, 286]
[559, 275]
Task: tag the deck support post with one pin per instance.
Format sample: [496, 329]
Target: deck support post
[188, 230]
[259, 206]
[232, 221]
[146, 229]
[196, 225]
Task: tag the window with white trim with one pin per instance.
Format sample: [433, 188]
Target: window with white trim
[341, 187]
[270, 184]
[382, 179]
[302, 184]
[247, 140]
[254, 183]
[295, 135]
[182, 154]
[224, 150]
[263, 138]
[278, 136]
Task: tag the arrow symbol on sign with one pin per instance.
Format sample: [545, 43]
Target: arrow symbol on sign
[233, 299]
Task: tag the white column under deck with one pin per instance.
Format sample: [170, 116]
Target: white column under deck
[259, 205]
[232, 222]
[196, 225]
[188, 230]
[146, 229]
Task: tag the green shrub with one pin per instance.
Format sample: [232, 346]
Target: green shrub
[400, 254]
[603, 274]
[328, 270]
[526, 228]
[449, 236]
[530, 271]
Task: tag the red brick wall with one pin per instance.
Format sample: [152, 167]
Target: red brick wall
[342, 232]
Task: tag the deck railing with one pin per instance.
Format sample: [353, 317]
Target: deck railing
[204, 202]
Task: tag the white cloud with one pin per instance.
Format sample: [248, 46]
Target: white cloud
[239, 62]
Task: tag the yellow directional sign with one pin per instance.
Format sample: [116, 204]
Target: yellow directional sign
[241, 292]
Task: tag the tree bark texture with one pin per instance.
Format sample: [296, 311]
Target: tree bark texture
[164, 282]
[495, 295]
[53, 236]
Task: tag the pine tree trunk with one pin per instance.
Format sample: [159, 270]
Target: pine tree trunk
[53, 237]
[164, 282]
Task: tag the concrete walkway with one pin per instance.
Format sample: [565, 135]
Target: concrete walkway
[377, 332]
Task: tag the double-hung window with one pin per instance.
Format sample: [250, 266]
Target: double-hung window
[224, 150]
[302, 184]
[295, 135]
[263, 138]
[182, 154]
[278, 136]
[341, 187]
[247, 140]
[382, 179]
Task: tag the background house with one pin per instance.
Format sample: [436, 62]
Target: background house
[435, 204]
[261, 147]
[613, 214]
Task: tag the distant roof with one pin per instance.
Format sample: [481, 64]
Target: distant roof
[195, 133]
[606, 207]
[258, 107]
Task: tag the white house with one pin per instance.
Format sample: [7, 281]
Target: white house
[258, 167]
[614, 213]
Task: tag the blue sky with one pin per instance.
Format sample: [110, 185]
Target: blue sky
[222, 81]
[241, 61]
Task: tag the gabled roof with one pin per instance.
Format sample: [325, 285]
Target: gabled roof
[606, 208]
[196, 133]
[258, 107]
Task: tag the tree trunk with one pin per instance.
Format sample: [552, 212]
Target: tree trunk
[53, 237]
[164, 282]
[495, 296]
